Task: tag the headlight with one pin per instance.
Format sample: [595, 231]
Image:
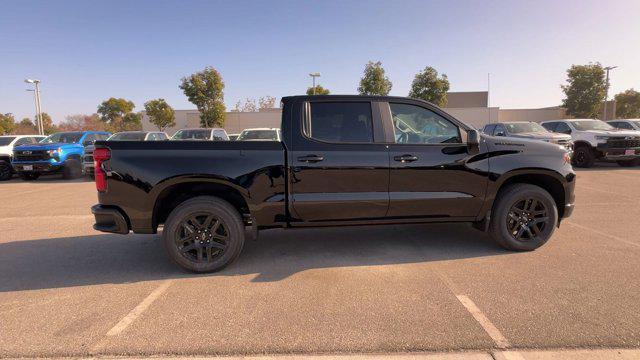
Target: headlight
[602, 137]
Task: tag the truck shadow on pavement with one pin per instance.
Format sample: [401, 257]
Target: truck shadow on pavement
[276, 255]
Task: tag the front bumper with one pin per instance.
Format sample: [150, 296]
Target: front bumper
[109, 220]
[88, 168]
[615, 154]
[37, 166]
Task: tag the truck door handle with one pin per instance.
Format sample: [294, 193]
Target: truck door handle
[405, 158]
[310, 158]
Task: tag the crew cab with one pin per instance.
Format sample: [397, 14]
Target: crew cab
[57, 153]
[527, 130]
[215, 134]
[87, 159]
[596, 140]
[343, 160]
[7, 144]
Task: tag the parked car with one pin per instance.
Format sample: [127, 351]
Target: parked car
[59, 152]
[87, 159]
[216, 134]
[528, 130]
[7, 144]
[260, 134]
[625, 124]
[343, 160]
[596, 140]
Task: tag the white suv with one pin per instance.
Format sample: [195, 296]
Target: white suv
[625, 124]
[596, 140]
[7, 143]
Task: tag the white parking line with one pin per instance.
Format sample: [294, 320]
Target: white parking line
[613, 237]
[43, 217]
[138, 310]
[486, 324]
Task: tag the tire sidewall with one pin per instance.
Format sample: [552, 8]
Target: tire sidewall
[588, 158]
[6, 171]
[499, 218]
[221, 209]
[72, 169]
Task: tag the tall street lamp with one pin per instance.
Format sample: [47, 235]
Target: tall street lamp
[314, 76]
[606, 92]
[38, 107]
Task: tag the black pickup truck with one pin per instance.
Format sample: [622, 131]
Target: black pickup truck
[343, 160]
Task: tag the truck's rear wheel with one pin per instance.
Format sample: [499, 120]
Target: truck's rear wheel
[583, 157]
[5, 170]
[524, 217]
[203, 234]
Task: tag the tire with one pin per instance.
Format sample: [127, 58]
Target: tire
[209, 250]
[6, 171]
[583, 157]
[29, 176]
[628, 163]
[504, 227]
[72, 169]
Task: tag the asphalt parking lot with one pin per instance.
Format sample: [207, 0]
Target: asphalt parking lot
[67, 290]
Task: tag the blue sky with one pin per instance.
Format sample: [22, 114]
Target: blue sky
[87, 51]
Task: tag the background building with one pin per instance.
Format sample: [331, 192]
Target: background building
[470, 107]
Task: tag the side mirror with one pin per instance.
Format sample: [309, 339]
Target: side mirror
[473, 138]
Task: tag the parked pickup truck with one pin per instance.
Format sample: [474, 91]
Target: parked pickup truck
[596, 140]
[57, 153]
[343, 160]
[527, 130]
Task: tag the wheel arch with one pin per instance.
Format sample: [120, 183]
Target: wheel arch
[171, 195]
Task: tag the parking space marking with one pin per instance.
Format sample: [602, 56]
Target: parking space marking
[138, 310]
[613, 237]
[484, 321]
[41, 217]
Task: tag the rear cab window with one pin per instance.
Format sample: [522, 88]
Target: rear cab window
[340, 122]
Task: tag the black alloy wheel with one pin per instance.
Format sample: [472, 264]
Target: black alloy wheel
[527, 219]
[201, 237]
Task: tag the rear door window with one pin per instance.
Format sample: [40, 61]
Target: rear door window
[340, 122]
[550, 126]
[563, 128]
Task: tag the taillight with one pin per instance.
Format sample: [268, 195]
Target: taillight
[100, 155]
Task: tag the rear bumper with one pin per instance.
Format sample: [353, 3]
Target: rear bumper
[109, 220]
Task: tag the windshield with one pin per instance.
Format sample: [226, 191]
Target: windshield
[66, 138]
[636, 122]
[195, 134]
[259, 135]
[6, 140]
[126, 136]
[584, 125]
[517, 128]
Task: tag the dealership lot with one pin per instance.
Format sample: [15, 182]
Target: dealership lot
[66, 289]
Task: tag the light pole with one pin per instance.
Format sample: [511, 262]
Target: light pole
[314, 76]
[38, 107]
[606, 92]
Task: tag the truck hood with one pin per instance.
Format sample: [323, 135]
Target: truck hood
[539, 135]
[522, 145]
[48, 146]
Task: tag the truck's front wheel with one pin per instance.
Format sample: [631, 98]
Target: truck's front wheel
[523, 218]
[203, 234]
[5, 170]
[583, 157]
[72, 169]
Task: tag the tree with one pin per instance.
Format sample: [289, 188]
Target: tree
[7, 124]
[319, 90]
[266, 102]
[160, 113]
[427, 86]
[628, 104]
[25, 127]
[113, 109]
[374, 81]
[205, 89]
[47, 124]
[82, 122]
[585, 90]
[248, 105]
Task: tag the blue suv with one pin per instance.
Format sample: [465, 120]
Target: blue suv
[59, 152]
